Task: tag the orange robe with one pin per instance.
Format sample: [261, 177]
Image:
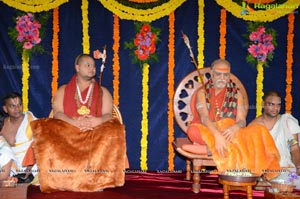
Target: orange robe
[252, 149]
[192, 132]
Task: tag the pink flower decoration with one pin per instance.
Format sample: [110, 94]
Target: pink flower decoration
[261, 45]
[261, 29]
[28, 31]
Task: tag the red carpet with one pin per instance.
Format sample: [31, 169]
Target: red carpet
[151, 185]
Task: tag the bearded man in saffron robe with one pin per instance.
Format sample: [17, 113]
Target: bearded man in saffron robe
[222, 127]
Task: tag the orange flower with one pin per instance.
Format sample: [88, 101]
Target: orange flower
[145, 29]
[143, 44]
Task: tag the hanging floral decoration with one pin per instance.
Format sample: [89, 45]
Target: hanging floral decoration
[27, 36]
[171, 83]
[144, 10]
[289, 64]
[201, 31]
[116, 60]
[262, 43]
[28, 33]
[222, 29]
[261, 46]
[263, 11]
[55, 49]
[85, 26]
[144, 43]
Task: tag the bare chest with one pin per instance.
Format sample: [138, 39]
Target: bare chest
[9, 132]
[269, 124]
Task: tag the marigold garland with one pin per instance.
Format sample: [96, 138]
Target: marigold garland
[144, 15]
[85, 27]
[260, 1]
[25, 78]
[260, 15]
[289, 64]
[34, 6]
[144, 123]
[171, 66]
[201, 39]
[143, 1]
[55, 46]
[259, 88]
[222, 47]
[116, 60]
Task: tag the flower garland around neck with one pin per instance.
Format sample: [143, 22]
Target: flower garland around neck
[262, 42]
[28, 33]
[82, 109]
[144, 43]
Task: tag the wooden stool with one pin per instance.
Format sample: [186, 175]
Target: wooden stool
[232, 185]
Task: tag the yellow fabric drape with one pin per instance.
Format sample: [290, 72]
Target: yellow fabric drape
[145, 15]
[34, 5]
[269, 14]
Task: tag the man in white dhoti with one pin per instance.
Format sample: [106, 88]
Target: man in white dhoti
[6, 154]
[284, 130]
[17, 131]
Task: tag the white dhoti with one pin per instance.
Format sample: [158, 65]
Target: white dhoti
[6, 153]
[24, 138]
[282, 133]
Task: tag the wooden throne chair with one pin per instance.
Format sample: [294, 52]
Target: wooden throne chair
[184, 103]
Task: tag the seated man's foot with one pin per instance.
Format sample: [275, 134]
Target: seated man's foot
[262, 184]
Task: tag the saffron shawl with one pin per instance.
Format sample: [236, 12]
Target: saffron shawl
[64, 153]
[252, 148]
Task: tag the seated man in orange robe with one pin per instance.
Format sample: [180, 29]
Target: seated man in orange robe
[222, 126]
[83, 148]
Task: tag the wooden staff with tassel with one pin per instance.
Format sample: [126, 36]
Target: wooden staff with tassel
[97, 55]
[187, 43]
[103, 56]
